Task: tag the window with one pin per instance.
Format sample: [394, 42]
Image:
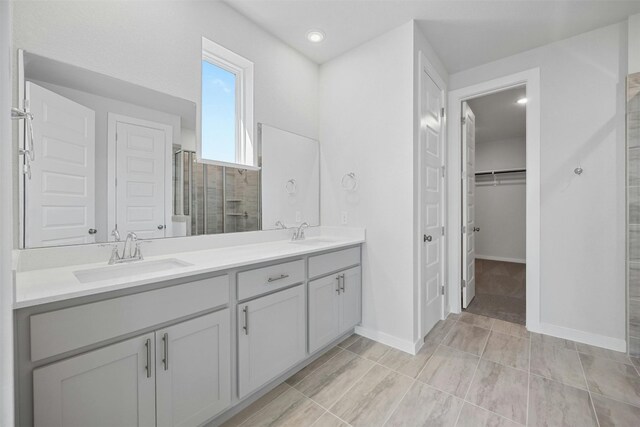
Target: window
[226, 114]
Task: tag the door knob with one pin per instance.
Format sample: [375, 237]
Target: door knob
[427, 238]
[92, 231]
[161, 227]
[476, 229]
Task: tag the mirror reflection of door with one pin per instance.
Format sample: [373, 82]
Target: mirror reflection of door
[59, 194]
[142, 149]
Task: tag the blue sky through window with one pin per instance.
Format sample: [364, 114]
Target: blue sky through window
[218, 113]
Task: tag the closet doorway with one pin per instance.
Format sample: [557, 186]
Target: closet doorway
[494, 205]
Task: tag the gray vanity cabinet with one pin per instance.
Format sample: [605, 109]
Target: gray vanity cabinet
[176, 355]
[271, 337]
[178, 376]
[324, 311]
[350, 299]
[193, 370]
[334, 306]
[112, 386]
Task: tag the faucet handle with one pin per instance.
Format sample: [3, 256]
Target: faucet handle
[138, 252]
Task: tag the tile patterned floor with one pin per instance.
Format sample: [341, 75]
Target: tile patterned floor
[500, 291]
[472, 371]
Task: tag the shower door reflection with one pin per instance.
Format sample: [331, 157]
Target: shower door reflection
[215, 199]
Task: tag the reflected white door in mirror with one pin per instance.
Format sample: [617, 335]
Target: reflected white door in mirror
[139, 178]
[59, 193]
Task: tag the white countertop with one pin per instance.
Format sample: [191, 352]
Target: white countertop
[40, 286]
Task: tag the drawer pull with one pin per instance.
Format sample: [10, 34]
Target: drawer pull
[342, 286]
[338, 285]
[147, 344]
[280, 277]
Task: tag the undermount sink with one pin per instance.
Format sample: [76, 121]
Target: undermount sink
[132, 269]
[314, 241]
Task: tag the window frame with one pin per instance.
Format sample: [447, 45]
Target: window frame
[246, 153]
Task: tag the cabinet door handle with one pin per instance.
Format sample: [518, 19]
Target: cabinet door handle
[147, 344]
[280, 277]
[342, 287]
[165, 342]
[245, 310]
[338, 284]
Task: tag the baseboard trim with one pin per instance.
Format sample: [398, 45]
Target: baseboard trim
[499, 258]
[390, 340]
[616, 344]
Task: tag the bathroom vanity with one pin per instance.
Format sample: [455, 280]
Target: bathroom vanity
[179, 339]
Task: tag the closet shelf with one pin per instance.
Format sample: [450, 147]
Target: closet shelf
[499, 172]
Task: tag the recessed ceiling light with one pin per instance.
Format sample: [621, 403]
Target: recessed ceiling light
[522, 101]
[315, 36]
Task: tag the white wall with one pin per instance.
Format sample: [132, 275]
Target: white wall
[501, 210]
[158, 45]
[634, 44]
[582, 217]
[6, 221]
[366, 127]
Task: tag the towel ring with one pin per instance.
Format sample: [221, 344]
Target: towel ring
[349, 181]
[291, 186]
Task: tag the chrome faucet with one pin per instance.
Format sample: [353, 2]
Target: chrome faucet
[132, 239]
[298, 234]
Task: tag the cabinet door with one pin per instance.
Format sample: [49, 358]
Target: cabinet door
[112, 386]
[324, 311]
[350, 299]
[271, 337]
[193, 368]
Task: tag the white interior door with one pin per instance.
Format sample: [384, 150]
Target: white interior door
[468, 205]
[140, 178]
[432, 190]
[60, 195]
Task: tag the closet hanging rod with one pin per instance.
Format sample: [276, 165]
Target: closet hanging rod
[500, 172]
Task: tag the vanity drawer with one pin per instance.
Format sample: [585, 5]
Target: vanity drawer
[333, 261]
[71, 328]
[266, 279]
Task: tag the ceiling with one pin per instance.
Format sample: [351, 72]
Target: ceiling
[463, 33]
[498, 117]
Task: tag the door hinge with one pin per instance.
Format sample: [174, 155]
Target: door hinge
[443, 171]
[443, 230]
[442, 289]
[442, 112]
[463, 120]
[464, 229]
[464, 283]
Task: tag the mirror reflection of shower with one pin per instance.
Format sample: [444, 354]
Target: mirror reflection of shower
[213, 199]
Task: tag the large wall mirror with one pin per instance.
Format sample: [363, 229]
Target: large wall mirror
[101, 156]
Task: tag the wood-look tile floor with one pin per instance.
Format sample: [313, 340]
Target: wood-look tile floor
[472, 371]
[500, 291]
